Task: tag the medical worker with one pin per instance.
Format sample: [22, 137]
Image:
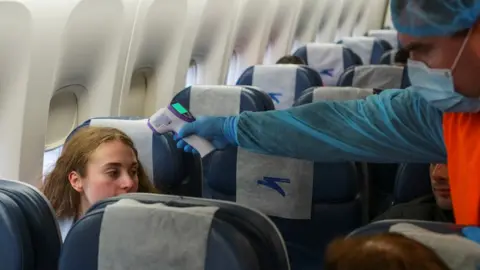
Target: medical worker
[443, 39]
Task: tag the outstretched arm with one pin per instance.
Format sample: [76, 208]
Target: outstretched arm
[395, 126]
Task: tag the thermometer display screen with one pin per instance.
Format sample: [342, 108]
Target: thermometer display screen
[181, 112]
[179, 108]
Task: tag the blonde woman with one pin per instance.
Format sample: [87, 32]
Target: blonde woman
[95, 164]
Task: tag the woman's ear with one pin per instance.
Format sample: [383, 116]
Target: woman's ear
[76, 181]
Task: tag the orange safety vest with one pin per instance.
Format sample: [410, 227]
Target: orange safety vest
[461, 133]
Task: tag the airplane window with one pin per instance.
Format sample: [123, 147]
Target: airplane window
[233, 69]
[191, 77]
[49, 158]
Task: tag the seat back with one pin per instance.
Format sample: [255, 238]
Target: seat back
[218, 100]
[382, 176]
[343, 200]
[412, 181]
[388, 58]
[297, 194]
[283, 83]
[29, 231]
[329, 60]
[369, 49]
[391, 36]
[375, 76]
[166, 166]
[174, 233]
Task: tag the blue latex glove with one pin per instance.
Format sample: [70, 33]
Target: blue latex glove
[220, 131]
[472, 233]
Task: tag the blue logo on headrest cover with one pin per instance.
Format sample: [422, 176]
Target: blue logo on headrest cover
[275, 96]
[327, 72]
[272, 183]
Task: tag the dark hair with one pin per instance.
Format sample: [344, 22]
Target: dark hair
[291, 59]
[386, 251]
[401, 57]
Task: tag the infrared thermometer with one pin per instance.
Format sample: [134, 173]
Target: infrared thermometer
[173, 118]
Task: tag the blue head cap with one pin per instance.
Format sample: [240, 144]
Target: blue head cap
[421, 18]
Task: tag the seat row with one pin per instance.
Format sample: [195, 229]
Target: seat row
[151, 231]
[309, 202]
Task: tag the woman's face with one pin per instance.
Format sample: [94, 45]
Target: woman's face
[111, 171]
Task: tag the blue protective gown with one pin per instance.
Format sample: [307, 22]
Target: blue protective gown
[392, 127]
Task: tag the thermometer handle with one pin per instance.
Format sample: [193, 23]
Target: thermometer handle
[203, 146]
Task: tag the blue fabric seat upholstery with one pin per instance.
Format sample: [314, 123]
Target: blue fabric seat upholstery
[237, 237]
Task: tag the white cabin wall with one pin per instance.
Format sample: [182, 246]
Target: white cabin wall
[252, 35]
[215, 36]
[74, 73]
[68, 61]
[283, 30]
[309, 22]
[153, 68]
[330, 20]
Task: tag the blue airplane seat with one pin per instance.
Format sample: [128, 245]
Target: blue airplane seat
[388, 58]
[412, 182]
[386, 45]
[173, 233]
[382, 176]
[29, 231]
[328, 60]
[346, 196]
[164, 164]
[260, 94]
[391, 36]
[218, 100]
[283, 83]
[375, 76]
[288, 190]
[369, 49]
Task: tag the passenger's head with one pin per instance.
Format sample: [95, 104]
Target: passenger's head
[441, 185]
[291, 59]
[96, 163]
[443, 35]
[401, 57]
[387, 251]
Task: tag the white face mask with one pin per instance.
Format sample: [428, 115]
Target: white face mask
[437, 87]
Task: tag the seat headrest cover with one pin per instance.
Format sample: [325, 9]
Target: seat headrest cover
[280, 81]
[269, 184]
[340, 93]
[385, 34]
[169, 237]
[457, 252]
[277, 186]
[140, 134]
[373, 76]
[327, 60]
[362, 46]
[215, 100]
